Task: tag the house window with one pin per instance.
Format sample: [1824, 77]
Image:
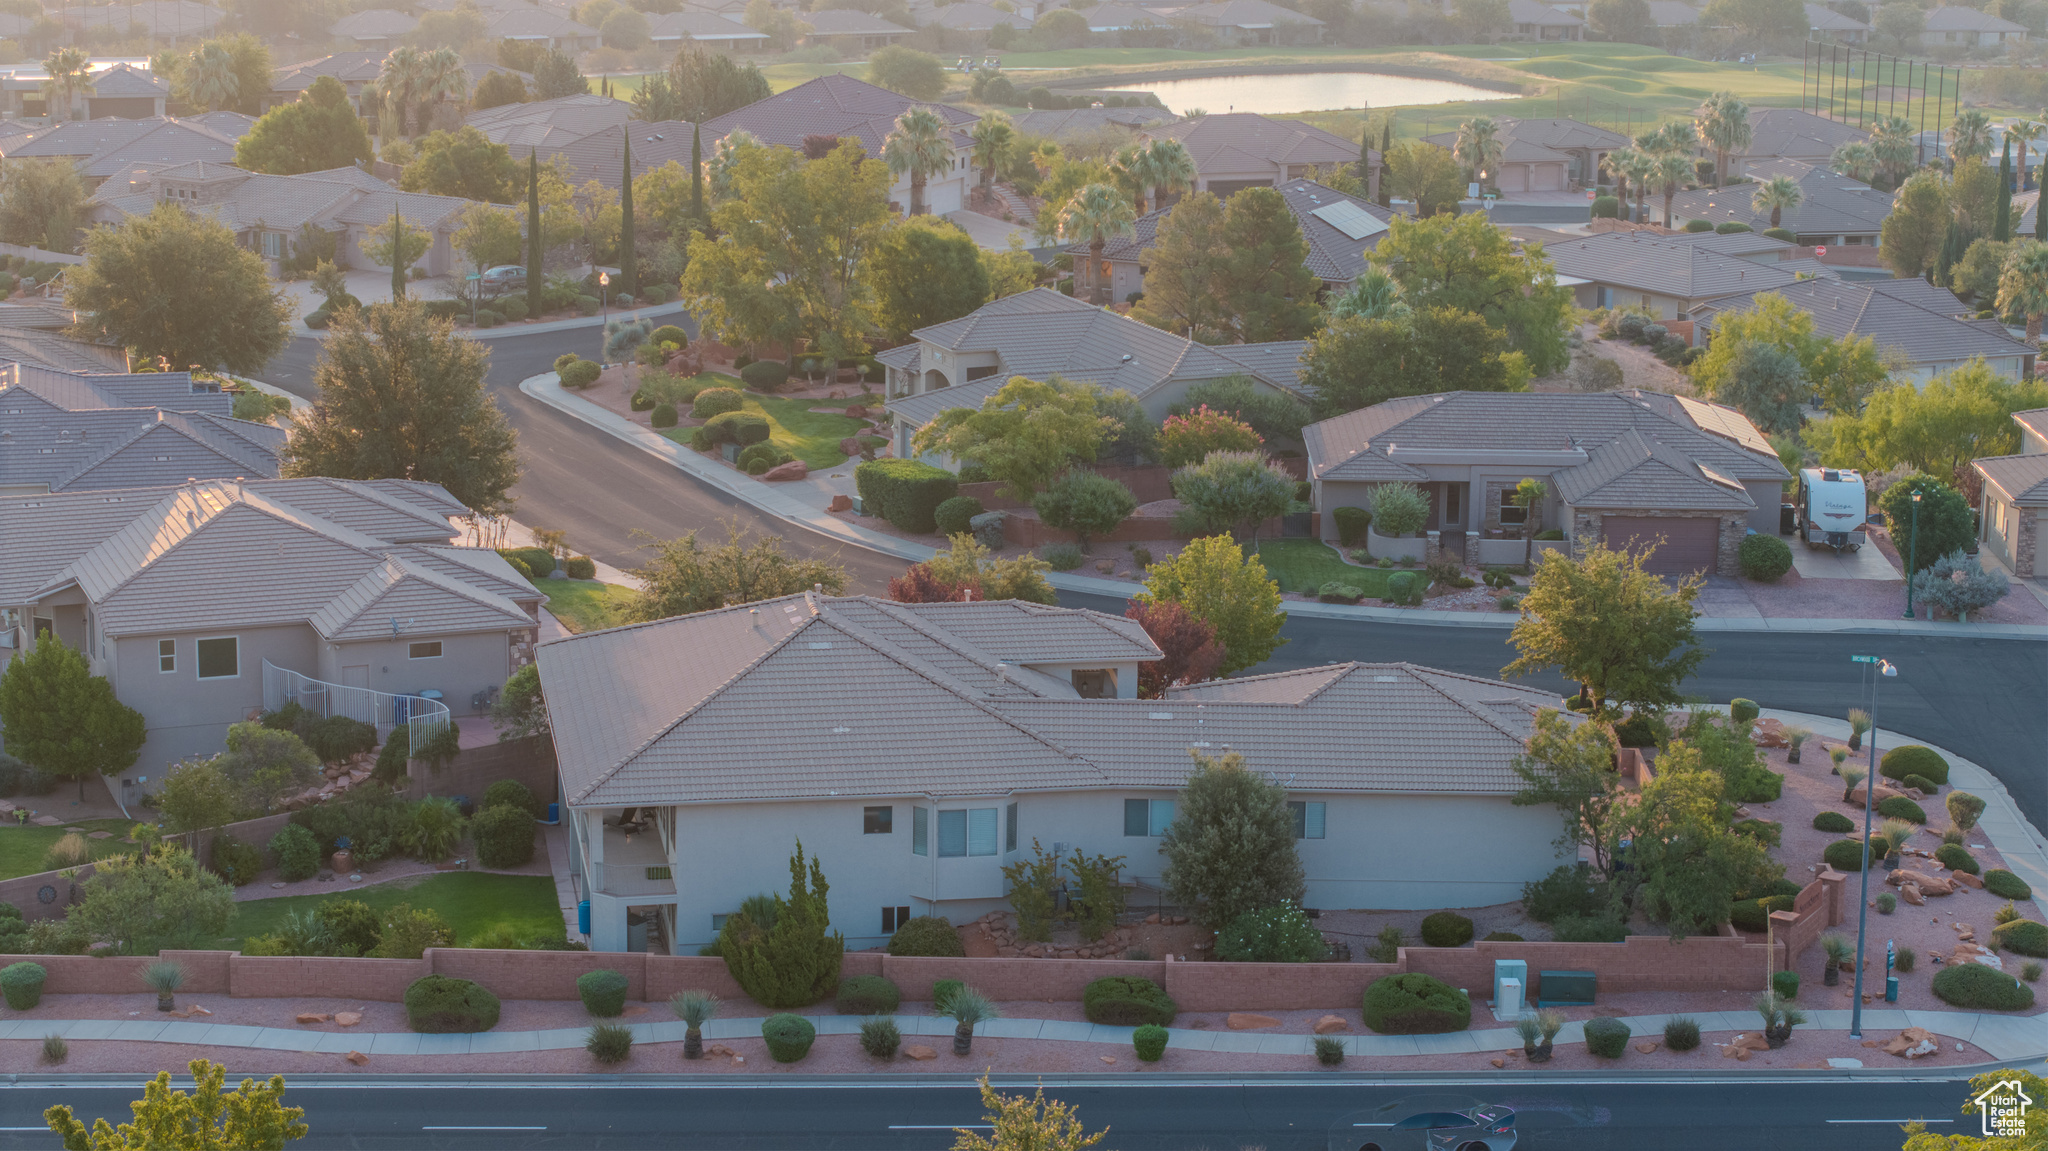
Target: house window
[952, 834]
[167, 655]
[273, 245]
[1147, 817]
[428, 650]
[894, 918]
[1510, 511]
[1010, 828]
[718, 921]
[967, 832]
[1308, 819]
[920, 831]
[877, 820]
[219, 658]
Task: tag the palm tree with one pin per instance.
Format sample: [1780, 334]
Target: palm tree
[1723, 125]
[1640, 167]
[443, 77]
[921, 145]
[967, 1007]
[398, 81]
[2024, 132]
[2023, 285]
[1617, 163]
[68, 79]
[1479, 148]
[1131, 167]
[1674, 171]
[1096, 214]
[994, 138]
[1895, 145]
[1173, 170]
[1969, 135]
[1854, 159]
[212, 76]
[1776, 195]
[1374, 295]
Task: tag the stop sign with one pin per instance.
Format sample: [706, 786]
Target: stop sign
[1820, 251]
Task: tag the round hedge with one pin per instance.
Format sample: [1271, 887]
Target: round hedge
[1925, 762]
[1833, 821]
[1150, 1042]
[1742, 710]
[603, 992]
[956, 515]
[21, 984]
[642, 402]
[669, 334]
[2023, 936]
[927, 935]
[765, 375]
[504, 836]
[512, 793]
[742, 428]
[789, 1037]
[1416, 1004]
[868, 995]
[1446, 929]
[1998, 881]
[664, 416]
[1607, 1038]
[1922, 784]
[1956, 857]
[1981, 988]
[1847, 854]
[1127, 1001]
[1899, 807]
[759, 459]
[580, 374]
[440, 1005]
[716, 402]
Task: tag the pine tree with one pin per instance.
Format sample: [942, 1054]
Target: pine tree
[397, 263]
[533, 236]
[793, 962]
[629, 274]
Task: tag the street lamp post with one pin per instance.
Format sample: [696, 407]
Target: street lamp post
[604, 303]
[1884, 669]
[1912, 554]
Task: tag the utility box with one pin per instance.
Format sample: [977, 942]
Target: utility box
[1505, 969]
[1507, 999]
[1566, 989]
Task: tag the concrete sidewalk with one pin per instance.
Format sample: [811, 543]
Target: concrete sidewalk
[523, 328]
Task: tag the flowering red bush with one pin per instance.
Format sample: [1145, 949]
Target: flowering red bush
[1189, 439]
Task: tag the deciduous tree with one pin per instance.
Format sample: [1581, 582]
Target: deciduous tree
[62, 719]
[1024, 434]
[41, 202]
[464, 163]
[1229, 491]
[1569, 764]
[158, 898]
[196, 795]
[318, 131]
[1028, 1123]
[1938, 427]
[1230, 847]
[925, 271]
[522, 708]
[1188, 647]
[1426, 175]
[1910, 238]
[252, 1118]
[175, 287]
[1767, 385]
[1217, 583]
[1464, 262]
[1355, 362]
[1685, 865]
[699, 84]
[1623, 633]
[918, 75]
[966, 562]
[685, 576]
[555, 75]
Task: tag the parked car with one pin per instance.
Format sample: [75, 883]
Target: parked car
[1437, 1124]
[503, 278]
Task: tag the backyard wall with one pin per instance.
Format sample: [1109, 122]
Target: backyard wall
[531, 761]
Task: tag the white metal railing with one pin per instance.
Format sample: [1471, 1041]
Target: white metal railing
[422, 717]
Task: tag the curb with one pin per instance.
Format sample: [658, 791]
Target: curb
[525, 329]
[547, 389]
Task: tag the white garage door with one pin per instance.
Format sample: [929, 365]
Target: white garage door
[1683, 546]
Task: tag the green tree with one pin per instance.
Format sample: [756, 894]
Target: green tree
[1025, 434]
[394, 245]
[1723, 119]
[1356, 362]
[1227, 491]
[158, 898]
[522, 708]
[1685, 865]
[1901, 22]
[41, 203]
[1185, 272]
[1031, 1123]
[251, 1118]
[1466, 263]
[2023, 285]
[62, 719]
[965, 561]
[699, 84]
[1974, 197]
[1844, 371]
[685, 576]
[1230, 591]
[1230, 847]
[1910, 237]
[1267, 288]
[1775, 195]
[197, 795]
[1425, 175]
[1009, 271]
[266, 765]
[175, 287]
[1941, 523]
[1094, 216]
[925, 271]
[402, 397]
[918, 75]
[1767, 385]
[463, 163]
[316, 132]
[556, 75]
[1478, 148]
[1970, 135]
[793, 961]
[995, 137]
[1623, 633]
[2035, 1118]
[1570, 765]
[1085, 503]
[496, 90]
[1938, 427]
[487, 236]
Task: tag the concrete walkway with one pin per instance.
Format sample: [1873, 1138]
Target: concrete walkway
[784, 504]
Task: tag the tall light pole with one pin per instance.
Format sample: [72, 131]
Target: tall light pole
[1912, 556]
[1884, 669]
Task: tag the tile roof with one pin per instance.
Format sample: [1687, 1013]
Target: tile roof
[82, 434]
[1830, 203]
[1632, 471]
[1732, 243]
[1561, 132]
[374, 24]
[549, 123]
[104, 148]
[2024, 479]
[671, 711]
[849, 22]
[1261, 139]
[1239, 14]
[49, 350]
[1541, 15]
[1061, 122]
[158, 18]
[535, 24]
[967, 16]
[1116, 17]
[698, 24]
[1514, 149]
[1925, 324]
[1794, 133]
[1647, 262]
[1957, 18]
[831, 105]
[241, 200]
[1333, 253]
[1821, 18]
[2034, 420]
[126, 80]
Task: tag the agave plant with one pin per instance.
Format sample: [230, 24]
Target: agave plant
[1840, 953]
[967, 1007]
[1779, 1019]
[693, 1008]
[1538, 1029]
[164, 977]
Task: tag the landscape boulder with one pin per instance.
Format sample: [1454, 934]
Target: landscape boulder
[793, 470]
[1330, 1024]
[1245, 1021]
[920, 1052]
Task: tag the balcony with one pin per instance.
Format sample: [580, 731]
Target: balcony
[635, 864]
[421, 716]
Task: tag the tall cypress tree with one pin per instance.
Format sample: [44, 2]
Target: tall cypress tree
[629, 273]
[397, 255]
[2004, 230]
[1386, 146]
[533, 273]
[697, 174]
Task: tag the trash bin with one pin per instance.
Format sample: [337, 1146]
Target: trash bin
[583, 917]
[1891, 989]
[554, 813]
[1788, 519]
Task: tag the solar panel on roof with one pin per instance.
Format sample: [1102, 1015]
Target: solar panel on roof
[1350, 219]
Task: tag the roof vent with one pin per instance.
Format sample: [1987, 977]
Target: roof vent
[1127, 357]
[842, 729]
[1158, 715]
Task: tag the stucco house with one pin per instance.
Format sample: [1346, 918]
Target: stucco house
[1234, 150]
[1925, 326]
[104, 149]
[981, 728]
[205, 602]
[1789, 134]
[1832, 209]
[1824, 23]
[2014, 508]
[1629, 469]
[1550, 154]
[1668, 277]
[670, 29]
[851, 30]
[1535, 20]
[72, 431]
[541, 26]
[1969, 28]
[375, 27]
[1245, 21]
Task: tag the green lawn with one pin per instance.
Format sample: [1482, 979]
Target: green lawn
[22, 848]
[812, 437]
[1306, 565]
[586, 605]
[472, 902]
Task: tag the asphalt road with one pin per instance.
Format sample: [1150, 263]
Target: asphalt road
[1983, 698]
[1554, 1115]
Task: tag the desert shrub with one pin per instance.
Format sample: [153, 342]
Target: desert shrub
[1887, 903]
[943, 991]
[1502, 937]
[1956, 857]
[1281, 933]
[1925, 762]
[609, 1043]
[56, 1051]
[742, 428]
[1446, 929]
[1607, 1038]
[1351, 525]
[1399, 509]
[716, 402]
[1786, 984]
[1847, 854]
[21, 984]
[907, 493]
[759, 459]
[352, 927]
[664, 416]
[1602, 928]
[1062, 557]
[603, 992]
[1998, 881]
[297, 852]
[407, 932]
[504, 837]
[1833, 821]
[1416, 1004]
[1727, 226]
[1682, 1033]
[669, 334]
[1150, 1042]
[956, 515]
[235, 861]
[765, 375]
[868, 995]
[1572, 889]
[2031, 972]
[1980, 988]
[580, 374]
[1606, 208]
[1742, 710]
[2023, 936]
[1127, 1001]
[1923, 785]
[789, 1037]
[1963, 809]
[1334, 592]
[880, 1038]
[1329, 1050]
[1899, 807]
[512, 793]
[927, 935]
[440, 1005]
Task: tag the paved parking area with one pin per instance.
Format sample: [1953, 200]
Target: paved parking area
[1866, 562]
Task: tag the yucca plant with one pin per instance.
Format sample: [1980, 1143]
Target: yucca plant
[1795, 738]
[1838, 756]
[1896, 833]
[967, 1007]
[1851, 776]
[165, 977]
[609, 1043]
[1859, 722]
[693, 1008]
[1840, 953]
[1779, 1019]
[1532, 1033]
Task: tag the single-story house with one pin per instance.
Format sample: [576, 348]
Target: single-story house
[375, 27]
[541, 26]
[366, 602]
[988, 727]
[1924, 325]
[1340, 230]
[1824, 23]
[1234, 150]
[1665, 276]
[1041, 333]
[1535, 20]
[2014, 511]
[1630, 469]
[588, 133]
[170, 20]
[354, 70]
[103, 149]
[968, 16]
[1061, 123]
[1546, 155]
[1969, 28]
[695, 24]
[1246, 21]
[1789, 134]
[1118, 17]
[75, 432]
[1832, 209]
[851, 30]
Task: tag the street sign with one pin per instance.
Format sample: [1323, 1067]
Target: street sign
[1820, 251]
[1862, 659]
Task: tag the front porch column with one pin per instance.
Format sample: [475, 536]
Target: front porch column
[593, 839]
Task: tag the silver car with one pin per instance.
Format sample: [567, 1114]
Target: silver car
[1487, 1127]
[503, 278]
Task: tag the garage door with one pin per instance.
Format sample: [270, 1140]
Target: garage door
[1548, 178]
[1684, 546]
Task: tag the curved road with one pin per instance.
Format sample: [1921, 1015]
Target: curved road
[1980, 697]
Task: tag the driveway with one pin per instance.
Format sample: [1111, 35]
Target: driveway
[1866, 562]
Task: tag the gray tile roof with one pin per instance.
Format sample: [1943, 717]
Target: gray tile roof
[1562, 132]
[2034, 420]
[1831, 204]
[849, 22]
[1957, 18]
[1235, 136]
[549, 123]
[125, 80]
[698, 24]
[1514, 149]
[1541, 15]
[347, 67]
[1061, 122]
[1673, 13]
[50, 350]
[72, 432]
[183, 19]
[2024, 479]
[1821, 18]
[1793, 133]
[104, 148]
[1333, 255]
[1743, 244]
[536, 24]
[1239, 14]
[967, 16]
[242, 200]
[1646, 262]
[1923, 323]
[832, 105]
[598, 156]
[1632, 471]
[374, 24]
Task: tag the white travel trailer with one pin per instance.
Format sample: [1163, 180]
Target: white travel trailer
[1832, 504]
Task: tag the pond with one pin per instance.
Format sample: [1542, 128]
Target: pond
[1290, 92]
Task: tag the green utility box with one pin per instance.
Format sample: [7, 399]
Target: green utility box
[1565, 988]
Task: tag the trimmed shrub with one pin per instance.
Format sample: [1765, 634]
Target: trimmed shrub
[297, 852]
[579, 567]
[868, 995]
[1786, 984]
[943, 991]
[1606, 208]
[1785, 234]
[580, 374]
[758, 459]
[440, 1005]
[1502, 937]
[956, 515]
[1887, 903]
[1608, 1038]
[664, 416]
[1150, 1042]
[1755, 914]
[1351, 525]
[1956, 857]
[586, 305]
[1699, 225]
[1682, 1033]
[1727, 226]
[927, 935]
[609, 1043]
[1062, 557]
[1921, 784]
[504, 837]
[21, 984]
[1998, 881]
[667, 333]
[880, 1038]
[1416, 1004]
[2023, 936]
[742, 428]
[1963, 809]
[1446, 929]
[789, 1037]
[235, 861]
[1329, 1050]
[512, 793]
[1833, 821]
[716, 402]
[1588, 929]
[907, 493]
[1280, 933]
[1742, 710]
[1925, 762]
[1899, 807]
[1980, 988]
[486, 318]
[510, 307]
[603, 992]
[765, 375]
[1847, 854]
[1127, 1001]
